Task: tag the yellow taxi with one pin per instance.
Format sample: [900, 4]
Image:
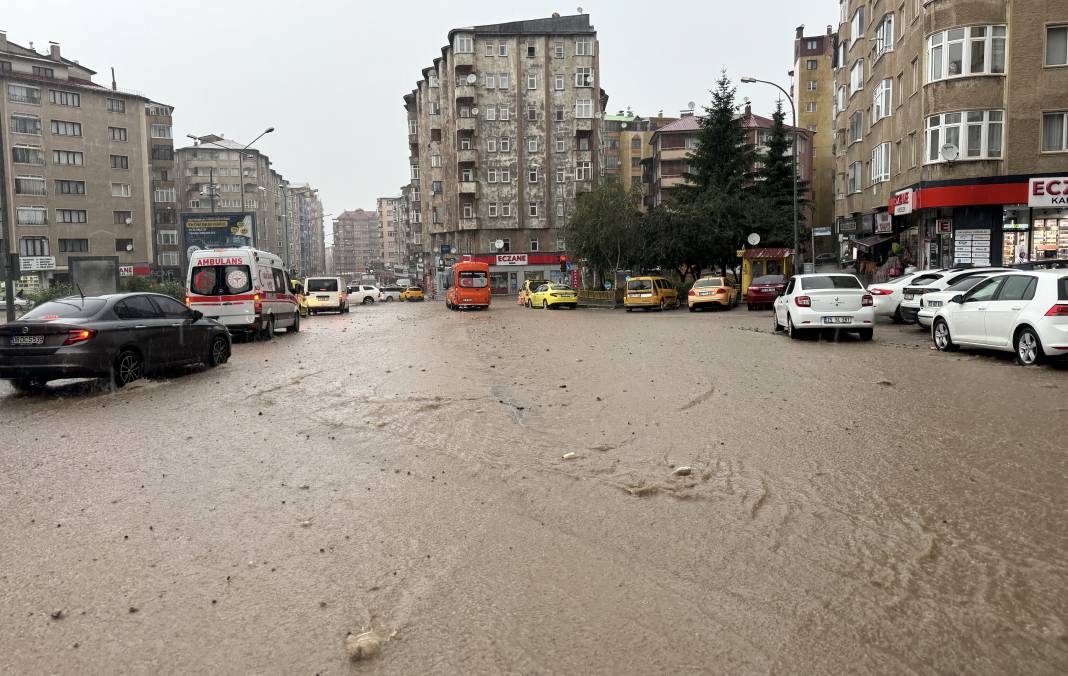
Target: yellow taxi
[412, 293]
[528, 288]
[709, 292]
[650, 293]
[302, 302]
[550, 295]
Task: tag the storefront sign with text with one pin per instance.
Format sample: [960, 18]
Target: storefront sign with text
[1048, 192]
[511, 259]
[901, 202]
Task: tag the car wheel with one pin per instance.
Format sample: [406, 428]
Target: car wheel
[29, 385]
[219, 352]
[129, 366]
[267, 333]
[693, 308]
[389, 299]
[896, 317]
[630, 309]
[663, 305]
[749, 306]
[867, 334]
[791, 329]
[775, 325]
[544, 304]
[295, 328]
[1029, 347]
[367, 300]
[942, 338]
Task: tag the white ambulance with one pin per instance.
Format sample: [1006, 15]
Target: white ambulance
[245, 289]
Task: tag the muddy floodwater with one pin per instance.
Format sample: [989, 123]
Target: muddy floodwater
[861, 508]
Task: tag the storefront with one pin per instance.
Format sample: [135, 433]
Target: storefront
[508, 271]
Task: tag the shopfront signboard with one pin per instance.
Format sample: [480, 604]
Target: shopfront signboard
[36, 263]
[971, 247]
[944, 226]
[883, 223]
[1050, 191]
[821, 232]
[511, 259]
[902, 202]
[847, 225]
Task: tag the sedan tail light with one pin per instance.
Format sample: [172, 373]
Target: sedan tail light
[1058, 310]
[692, 293]
[880, 292]
[75, 336]
[803, 301]
[866, 300]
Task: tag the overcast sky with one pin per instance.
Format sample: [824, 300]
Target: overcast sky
[329, 75]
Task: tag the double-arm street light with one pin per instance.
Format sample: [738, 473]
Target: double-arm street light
[798, 260]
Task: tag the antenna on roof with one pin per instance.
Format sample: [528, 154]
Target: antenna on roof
[580, 10]
[113, 85]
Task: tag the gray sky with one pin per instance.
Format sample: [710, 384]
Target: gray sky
[329, 75]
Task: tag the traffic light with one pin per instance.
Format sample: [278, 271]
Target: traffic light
[563, 263]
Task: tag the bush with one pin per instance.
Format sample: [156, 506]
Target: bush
[147, 285]
[51, 293]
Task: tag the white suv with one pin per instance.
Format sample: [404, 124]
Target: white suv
[364, 293]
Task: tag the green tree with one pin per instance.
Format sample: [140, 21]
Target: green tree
[603, 232]
[775, 185]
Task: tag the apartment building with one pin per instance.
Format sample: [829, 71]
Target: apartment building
[813, 92]
[673, 143]
[413, 230]
[358, 247]
[76, 167]
[163, 175]
[307, 239]
[952, 131]
[394, 246]
[503, 133]
[626, 143]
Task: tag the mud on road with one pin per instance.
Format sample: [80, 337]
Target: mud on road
[850, 507]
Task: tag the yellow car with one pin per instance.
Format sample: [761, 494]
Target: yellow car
[302, 302]
[712, 292]
[550, 296]
[528, 288]
[412, 293]
[650, 293]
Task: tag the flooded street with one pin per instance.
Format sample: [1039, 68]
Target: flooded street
[849, 507]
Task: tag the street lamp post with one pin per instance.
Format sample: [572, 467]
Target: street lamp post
[798, 260]
[214, 140]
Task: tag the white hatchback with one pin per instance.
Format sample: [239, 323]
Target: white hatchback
[935, 281]
[1021, 312]
[825, 302]
[931, 303]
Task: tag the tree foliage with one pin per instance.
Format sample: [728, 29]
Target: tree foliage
[603, 232]
[775, 185]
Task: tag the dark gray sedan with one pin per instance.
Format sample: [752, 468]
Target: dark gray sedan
[120, 337]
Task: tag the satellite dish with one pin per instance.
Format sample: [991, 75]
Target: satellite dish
[580, 10]
[474, 112]
[949, 152]
[472, 78]
[129, 247]
[129, 221]
[692, 104]
[753, 239]
[499, 244]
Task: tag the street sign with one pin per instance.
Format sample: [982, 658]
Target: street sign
[34, 263]
[809, 268]
[446, 249]
[821, 232]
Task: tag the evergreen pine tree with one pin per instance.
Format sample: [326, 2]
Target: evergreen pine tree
[775, 184]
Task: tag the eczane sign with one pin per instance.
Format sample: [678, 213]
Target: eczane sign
[511, 259]
[901, 202]
[1048, 192]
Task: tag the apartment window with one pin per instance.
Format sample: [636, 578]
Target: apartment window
[532, 81]
[491, 113]
[884, 35]
[812, 64]
[635, 162]
[71, 216]
[583, 77]
[435, 187]
[465, 143]
[558, 50]
[532, 113]
[60, 128]
[532, 175]
[880, 163]
[533, 245]
[561, 175]
[123, 245]
[502, 49]
[840, 100]
[857, 26]
[490, 81]
[506, 209]
[23, 94]
[1054, 132]
[166, 217]
[491, 49]
[812, 85]
[434, 108]
[1057, 46]
[976, 134]
[120, 162]
[531, 51]
[810, 107]
[120, 189]
[532, 145]
[413, 127]
[583, 143]
[854, 177]
[561, 146]
[558, 83]
[170, 195]
[31, 216]
[62, 98]
[532, 209]
[415, 172]
[506, 144]
[583, 47]
[465, 44]
[493, 209]
[583, 171]
[491, 145]
[64, 187]
[161, 152]
[29, 185]
[856, 126]
[913, 150]
[160, 131]
[67, 157]
[117, 133]
[812, 44]
[467, 175]
[122, 217]
[194, 204]
[73, 245]
[469, 210]
[882, 100]
[961, 52]
[505, 114]
[116, 106]
[167, 237]
[560, 209]
[168, 259]
[33, 246]
[435, 161]
[584, 109]
[559, 114]
[432, 80]
[502, 81]
[5, 67]
[25, 124]
[856, 77]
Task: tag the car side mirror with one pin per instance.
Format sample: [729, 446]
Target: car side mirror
[197, 315]
[958, 299]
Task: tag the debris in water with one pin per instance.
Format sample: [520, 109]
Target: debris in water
[305, 523]
[885, 383]
[304, 487]
[683, 471]
[57, 614]
[569, 456]
[641, 490]
[362, 647]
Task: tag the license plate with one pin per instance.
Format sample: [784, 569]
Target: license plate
[908, 296]
[27, 340]
[704, 293]
[323, 297]
[837, 320]
[935, 303]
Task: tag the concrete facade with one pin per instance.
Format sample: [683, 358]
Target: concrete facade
[813, 92]
[357, 243]
[77, 167]
[627, 141]
[967, 74]
[164, 186]
[306, 232]
[394, 245]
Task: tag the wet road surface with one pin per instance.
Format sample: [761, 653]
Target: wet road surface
[851, 508]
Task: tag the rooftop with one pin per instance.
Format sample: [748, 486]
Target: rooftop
[555, 25]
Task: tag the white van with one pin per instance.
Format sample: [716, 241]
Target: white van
[325, 294]
[245, 289]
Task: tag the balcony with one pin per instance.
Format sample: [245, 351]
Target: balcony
[463, 58]
[674, 153]
[469, 156]
[469, 224]
[465, 90]
[469, 188]
[583, 123]
[467, 124]
[672, 181]
[413, 139]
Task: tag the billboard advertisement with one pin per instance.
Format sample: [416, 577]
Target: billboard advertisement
[217, 231]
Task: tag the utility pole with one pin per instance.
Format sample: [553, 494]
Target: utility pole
[211, 188]
[10, 261]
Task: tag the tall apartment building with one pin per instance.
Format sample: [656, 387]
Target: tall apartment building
[952, 135]
[503, 133]
[626, 143]
[164, 185]
[413, 229]
[813, 91]
[76, 167]
[307, 238]
[394, 247]
[210, 181]
[357, 243]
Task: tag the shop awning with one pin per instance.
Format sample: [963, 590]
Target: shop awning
[871, 242]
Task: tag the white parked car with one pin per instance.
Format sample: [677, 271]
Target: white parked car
[934, 281]
[825, 301]
[931, 303]
[888, 294]
[1022, 312]
[364, 293]
[325, 294]
[390, 293]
